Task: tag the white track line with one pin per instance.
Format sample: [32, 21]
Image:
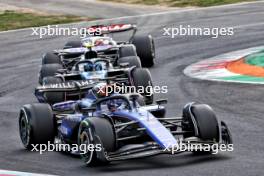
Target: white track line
[17, 173]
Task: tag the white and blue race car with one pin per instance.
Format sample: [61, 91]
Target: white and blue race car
[137, 51]
[86, 73]
[122, 126]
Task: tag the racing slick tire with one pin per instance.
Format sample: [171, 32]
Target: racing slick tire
[131, 60]
[99, 132]
[72, 44]
[48, 70]
[50, 58]
[36, 125]
[204, 118]
[142, 80]
[207, 122]
[145, 49]
[53, 97]
[127, 50]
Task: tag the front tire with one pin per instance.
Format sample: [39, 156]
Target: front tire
[201, 119]
[102, 132]
[53, 97]
[36, 125]
[131, 60]
[48, 70]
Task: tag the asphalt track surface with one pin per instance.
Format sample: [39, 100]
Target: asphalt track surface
[240, 105]
[90, 8]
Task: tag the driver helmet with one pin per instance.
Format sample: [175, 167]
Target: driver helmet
[99, 66]
[113, 105]
[100, 42]
[88, 67]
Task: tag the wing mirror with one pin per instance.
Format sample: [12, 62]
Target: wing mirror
[88, 111]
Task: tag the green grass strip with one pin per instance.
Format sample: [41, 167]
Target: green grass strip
[16, 20]
[180, 3]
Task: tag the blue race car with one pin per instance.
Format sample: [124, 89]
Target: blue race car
[87, 64]
[85, 74]
[120, 127]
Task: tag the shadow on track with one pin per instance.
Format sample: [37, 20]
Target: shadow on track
[159, 162]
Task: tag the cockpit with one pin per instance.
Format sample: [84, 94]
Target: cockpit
[114, 104]
[92, 65]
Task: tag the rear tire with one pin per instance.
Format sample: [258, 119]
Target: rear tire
[145, 49]
[72, 44]
[131, 60]
[48, 70]
[53, 97]
[127, 50]
[50, 58]
[36, 124]
[142, 79]
[103, 133]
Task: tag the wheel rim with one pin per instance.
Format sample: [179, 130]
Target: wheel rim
[24, 129]
[85, 140]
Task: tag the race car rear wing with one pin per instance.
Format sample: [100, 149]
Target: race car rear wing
[72, 90]
[76, 85]
[112, 28]
[100, 30]
[66, 86]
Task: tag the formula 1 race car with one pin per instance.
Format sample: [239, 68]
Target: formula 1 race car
[122, 127]
[85, 74]
[139, 49]
[92, 64]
